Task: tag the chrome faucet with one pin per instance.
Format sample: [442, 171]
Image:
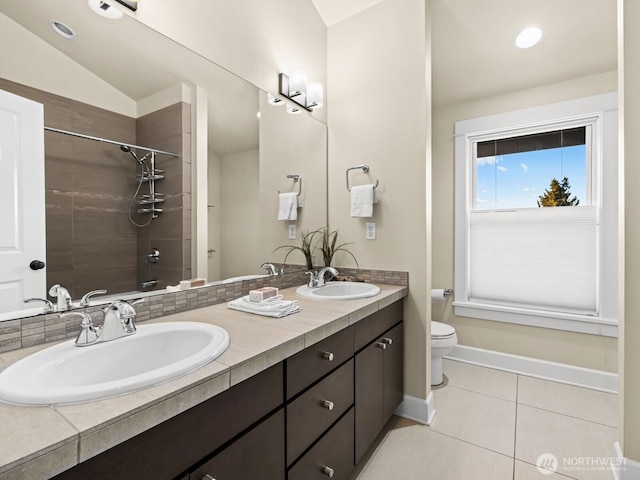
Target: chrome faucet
[317, 280]
[323, 272]
[271, 269]
[64, 299]
[49, 306]
[118, 322]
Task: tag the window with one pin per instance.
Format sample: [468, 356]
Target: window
[517, 259]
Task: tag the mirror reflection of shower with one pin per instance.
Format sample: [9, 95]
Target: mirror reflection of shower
[149, 174]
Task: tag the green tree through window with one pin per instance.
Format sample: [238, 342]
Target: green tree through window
[558, 195]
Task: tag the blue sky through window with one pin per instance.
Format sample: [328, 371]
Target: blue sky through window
[517, 180]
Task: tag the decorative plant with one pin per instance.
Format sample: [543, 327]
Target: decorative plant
[305, 246]
[328, 247]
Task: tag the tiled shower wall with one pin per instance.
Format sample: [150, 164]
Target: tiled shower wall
[89, 185]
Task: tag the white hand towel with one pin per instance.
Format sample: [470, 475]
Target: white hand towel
[362, 199]
[288, 206]
[270, 308]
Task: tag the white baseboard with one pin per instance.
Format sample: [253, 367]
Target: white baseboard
[417, 409]
[624, 468]
[557, 372]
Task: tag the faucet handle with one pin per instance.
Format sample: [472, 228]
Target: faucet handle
[88, 332]
[313, 279]
[84, 302]
[48, 308]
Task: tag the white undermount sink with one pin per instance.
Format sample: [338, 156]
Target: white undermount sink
[66, 373]
[339, 291]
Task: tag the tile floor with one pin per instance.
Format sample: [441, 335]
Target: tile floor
[493, 425]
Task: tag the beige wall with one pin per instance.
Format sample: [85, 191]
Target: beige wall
[240, 210]
[254, 39]
[583, 350]
[630, 251]
[371, 122]
[47, 69]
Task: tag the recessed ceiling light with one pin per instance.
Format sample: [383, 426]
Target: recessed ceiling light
[529, 37]
[104, 9]
[61, 29]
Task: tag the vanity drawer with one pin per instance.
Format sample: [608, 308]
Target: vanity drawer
[334, 451]
[314, 362]
[373, 326]
[309, 415]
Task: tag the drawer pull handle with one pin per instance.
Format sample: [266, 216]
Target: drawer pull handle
[387, 340]
[382, 346]
[328, 471]
[208, 477]
[328, 356]
[327, 404]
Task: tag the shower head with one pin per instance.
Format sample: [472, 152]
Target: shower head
[126, 148]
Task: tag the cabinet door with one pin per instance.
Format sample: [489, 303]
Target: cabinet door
[393, 385]
[369, 403]
[257, 454]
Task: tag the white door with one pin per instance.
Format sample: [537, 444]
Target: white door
[22, 204]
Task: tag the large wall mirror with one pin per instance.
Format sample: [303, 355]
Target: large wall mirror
[122, 81]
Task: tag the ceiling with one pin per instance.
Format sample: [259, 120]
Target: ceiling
[473, 54]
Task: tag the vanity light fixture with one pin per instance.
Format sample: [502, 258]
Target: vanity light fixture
[62, 29]
[529, 37]
[295, 88]
[105, 10]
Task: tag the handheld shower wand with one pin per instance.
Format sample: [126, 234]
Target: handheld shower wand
[126, 148]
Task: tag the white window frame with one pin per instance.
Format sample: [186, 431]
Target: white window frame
[603, 187]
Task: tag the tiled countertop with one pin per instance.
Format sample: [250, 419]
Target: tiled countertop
[40, 442]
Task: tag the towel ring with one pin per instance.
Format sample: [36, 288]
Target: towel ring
[295, 179]
[365, 169]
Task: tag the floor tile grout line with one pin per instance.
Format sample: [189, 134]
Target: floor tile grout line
[465, 441]
[569, 416]
[479, 393]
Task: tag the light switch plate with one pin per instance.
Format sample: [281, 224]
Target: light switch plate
[292, 231]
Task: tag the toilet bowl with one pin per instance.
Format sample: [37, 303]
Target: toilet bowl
[443, 339]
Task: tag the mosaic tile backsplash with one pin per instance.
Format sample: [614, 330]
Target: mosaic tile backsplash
[27, 332]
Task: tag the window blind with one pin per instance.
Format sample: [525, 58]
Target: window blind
[541, 258]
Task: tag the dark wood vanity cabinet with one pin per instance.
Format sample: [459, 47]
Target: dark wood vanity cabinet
[379, 380]
[256, 454]
[309, 417]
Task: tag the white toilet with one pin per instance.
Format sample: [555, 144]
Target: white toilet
[443, 339]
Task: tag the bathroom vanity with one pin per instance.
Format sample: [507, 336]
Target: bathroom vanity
[306, 405]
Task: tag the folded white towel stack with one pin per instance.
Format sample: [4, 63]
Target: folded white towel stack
[362, 199]
[288, 206]
[271, 307]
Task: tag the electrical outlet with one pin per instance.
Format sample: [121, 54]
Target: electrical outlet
[371, 231]
[292, 231]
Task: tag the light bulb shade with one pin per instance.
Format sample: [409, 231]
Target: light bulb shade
[315, 96]
[293, 109]
[297, 83]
